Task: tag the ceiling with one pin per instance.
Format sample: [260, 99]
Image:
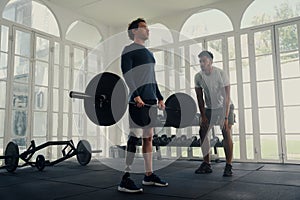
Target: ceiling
[120, 12]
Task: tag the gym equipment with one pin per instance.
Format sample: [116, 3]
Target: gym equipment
[12, 156]
[105, 102]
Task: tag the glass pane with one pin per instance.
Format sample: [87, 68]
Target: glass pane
[1, 151]
[172, 80]
[291, 119]
[231, 48]
[159, 59]
[247, 95]
[93, 63]
[218, 65]
[66, 78]
[197, 25]
[269, 147]
[236, 146]
[244, 45]
[182, 79]
[66, 101]
[264, 68]
[248, 121]
[250, 148]
[232, 72]
[257, 14]
[78, 127]
[234, 95]
[21, 70]
[289, 63]
[267, 120]
[20, 95]
[77, 106]
[79, 80]
[31, 14]
[291, 96]
[89, 77]
[91, 128]
[86, 34]
[67, 56]
[56, 76]
[2, 123]
[3, 94]
[266, 94]
[195, 49]
[160, 78]
[42, 49]
[4, 38]
[181, 56]
[41, 73]
[215, 46]
[40, 98]
[3, 66]
[262, 42]
[288, 38]
[246, 70]
[19, 125]
[54, 124]
[292, 145]
[22, 44]
[56, 53]
[40, 124]
[65, 124]
[79, 59]
[55, 100]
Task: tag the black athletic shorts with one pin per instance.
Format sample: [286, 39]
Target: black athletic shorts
[144, 117]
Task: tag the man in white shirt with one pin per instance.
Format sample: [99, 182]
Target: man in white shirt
[213, 94]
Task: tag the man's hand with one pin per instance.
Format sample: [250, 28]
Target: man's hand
[139, 102]
[161, 105]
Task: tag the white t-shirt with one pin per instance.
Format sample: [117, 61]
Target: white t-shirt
[213, 86]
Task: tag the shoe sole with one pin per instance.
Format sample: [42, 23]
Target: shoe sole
[154, 184]
[227, 175]
[121, 189]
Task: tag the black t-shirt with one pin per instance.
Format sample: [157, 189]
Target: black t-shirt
[137, 65]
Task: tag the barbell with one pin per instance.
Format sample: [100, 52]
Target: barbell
[105, 103]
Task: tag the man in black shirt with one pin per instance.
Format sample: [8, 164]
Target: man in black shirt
[137, 65]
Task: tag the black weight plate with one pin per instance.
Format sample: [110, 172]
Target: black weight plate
[181, 110]
[111, 110]
[40, 162]
[84, 154]
[11, 157]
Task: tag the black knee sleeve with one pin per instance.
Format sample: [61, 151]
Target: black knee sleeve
[131, 149]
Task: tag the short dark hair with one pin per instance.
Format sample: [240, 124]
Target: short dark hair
[207, 54]
[134, 25]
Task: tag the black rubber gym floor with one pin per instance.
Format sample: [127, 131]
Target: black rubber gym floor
[70, 181]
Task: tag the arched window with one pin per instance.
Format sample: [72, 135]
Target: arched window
[83, 33]
[31, 14]
[159, 35]
[267, 11]
[205, 23]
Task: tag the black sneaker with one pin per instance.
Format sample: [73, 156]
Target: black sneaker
[154, 180]
[204, 168]
[127, 185]
[228, 170]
